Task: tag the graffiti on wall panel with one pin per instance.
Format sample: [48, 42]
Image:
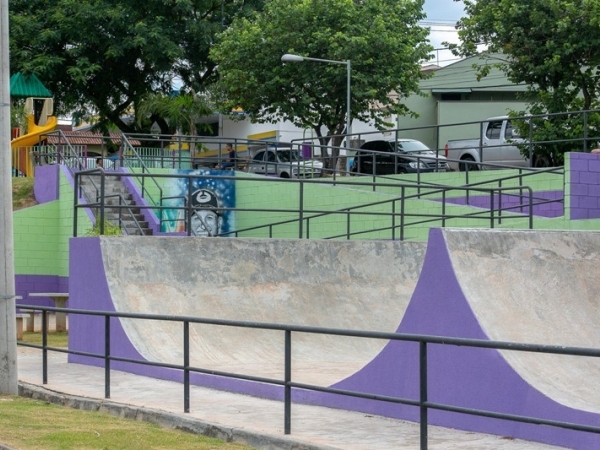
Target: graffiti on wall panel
[210, 198]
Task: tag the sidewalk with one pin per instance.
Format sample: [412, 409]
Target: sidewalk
[232, 417]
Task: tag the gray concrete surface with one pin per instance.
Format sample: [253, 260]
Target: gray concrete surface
[536, 287]
[358, 285]
[234, 417]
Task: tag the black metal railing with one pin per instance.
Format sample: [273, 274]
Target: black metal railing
[422, 403]
[304, 216]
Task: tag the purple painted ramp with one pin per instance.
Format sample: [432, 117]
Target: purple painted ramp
[482, 284]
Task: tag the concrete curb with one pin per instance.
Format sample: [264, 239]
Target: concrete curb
[166, 420]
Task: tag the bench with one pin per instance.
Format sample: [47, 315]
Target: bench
[20, 319]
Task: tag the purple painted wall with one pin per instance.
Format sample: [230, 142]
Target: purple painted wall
[134, 190]
[472, 378]
[584, 183]
[553, 208]
[26, 284]
[45, 188]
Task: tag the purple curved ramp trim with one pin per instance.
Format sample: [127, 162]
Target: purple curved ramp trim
[88, 289]
[459, 376]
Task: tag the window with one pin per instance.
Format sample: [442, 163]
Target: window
[259, 156]
[493, 130]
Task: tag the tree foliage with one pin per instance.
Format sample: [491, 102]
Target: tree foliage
[100, 58]
[381, 38]
[552, 45]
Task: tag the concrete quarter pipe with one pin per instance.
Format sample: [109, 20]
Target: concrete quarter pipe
[532, 287]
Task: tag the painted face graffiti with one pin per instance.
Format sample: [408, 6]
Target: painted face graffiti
[206, 220]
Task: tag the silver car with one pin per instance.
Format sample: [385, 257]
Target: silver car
[284, 163]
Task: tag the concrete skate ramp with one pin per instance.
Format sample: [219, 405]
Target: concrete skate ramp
[353, 284]
[521, 286]
[537, 287]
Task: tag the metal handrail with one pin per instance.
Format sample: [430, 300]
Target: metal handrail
[493, 214]
[288, 383]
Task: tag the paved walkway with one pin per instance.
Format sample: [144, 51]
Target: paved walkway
[238, 418]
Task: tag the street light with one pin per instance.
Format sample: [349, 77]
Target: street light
[296, 58]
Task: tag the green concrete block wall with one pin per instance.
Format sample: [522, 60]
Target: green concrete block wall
[283, 196]
[42, 233]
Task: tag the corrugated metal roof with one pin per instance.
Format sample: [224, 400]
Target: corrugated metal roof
[89, 138]
[461, 75]
[27, 86]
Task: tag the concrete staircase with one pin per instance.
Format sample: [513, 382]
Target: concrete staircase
[128, 217]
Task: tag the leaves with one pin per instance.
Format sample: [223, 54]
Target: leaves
[101, 57]
[381, 38]
[551, 45]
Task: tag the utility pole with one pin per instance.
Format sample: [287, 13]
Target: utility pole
[8, 331]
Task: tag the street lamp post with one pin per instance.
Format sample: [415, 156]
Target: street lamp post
[296, 58]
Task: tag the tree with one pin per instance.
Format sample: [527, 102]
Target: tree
[553, 46]
[101, 58]
[174, 113]
[380, 37]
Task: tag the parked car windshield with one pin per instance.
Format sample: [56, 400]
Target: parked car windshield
[288, 155]
[411, 146]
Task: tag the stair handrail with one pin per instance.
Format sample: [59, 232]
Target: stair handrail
[130, 149]
[100, 201]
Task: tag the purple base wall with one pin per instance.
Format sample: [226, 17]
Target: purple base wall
[472, 378]
[554, 208]
[26, 284]
[134, 190]
[45, 188]
[584, 174]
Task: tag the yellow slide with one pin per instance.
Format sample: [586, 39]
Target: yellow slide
[21, 146]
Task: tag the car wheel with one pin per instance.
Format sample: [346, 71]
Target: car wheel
[284, 175]
[463, 166]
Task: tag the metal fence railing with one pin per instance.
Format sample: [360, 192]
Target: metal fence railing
[393, 209]
[422, 403]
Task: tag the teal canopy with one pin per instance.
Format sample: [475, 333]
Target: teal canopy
[24, 86]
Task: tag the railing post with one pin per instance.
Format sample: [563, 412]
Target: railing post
[394, 220]
[492, 216]
[106, 356]
[402, 205]
[188, 209]
[186, 366]
[444, 208]
[287, 396]
[530, 208]
[423, 394]
[44, 347]
[75, 202]
[102, 201]
[301, 210]
[500, 191]
[348, 213]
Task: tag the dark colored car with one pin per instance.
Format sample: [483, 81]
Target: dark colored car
[397, 156]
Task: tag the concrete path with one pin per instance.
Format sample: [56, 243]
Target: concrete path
[234, 417]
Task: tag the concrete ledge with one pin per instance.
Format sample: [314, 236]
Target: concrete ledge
[166, 420]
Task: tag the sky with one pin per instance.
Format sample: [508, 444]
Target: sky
[441, 17]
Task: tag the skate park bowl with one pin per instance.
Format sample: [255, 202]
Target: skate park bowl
[527, 287]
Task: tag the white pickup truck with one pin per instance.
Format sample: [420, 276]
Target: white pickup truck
[498, 145]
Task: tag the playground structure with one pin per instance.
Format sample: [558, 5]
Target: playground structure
[40, 121]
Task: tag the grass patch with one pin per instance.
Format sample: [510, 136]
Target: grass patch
[34, 424]
[22, 193]
[55, 338]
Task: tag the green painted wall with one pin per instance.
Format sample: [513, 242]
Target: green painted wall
[42, 233]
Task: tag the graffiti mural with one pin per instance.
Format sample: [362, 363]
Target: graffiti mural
[210, 197]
